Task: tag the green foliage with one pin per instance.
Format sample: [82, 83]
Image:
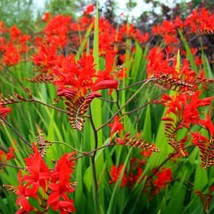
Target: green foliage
[97, 150]
[68, 7]
[17, 12]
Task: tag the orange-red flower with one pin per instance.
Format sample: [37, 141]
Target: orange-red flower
[4, 111]
[116, 126]
[115, 175]
[7, 155]
[164, 176]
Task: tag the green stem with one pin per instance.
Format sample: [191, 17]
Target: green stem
[144, 105]
[123, 106]
[137, 83]
[95, 150]
[15, 131]
[15, 167]
[94, 173]
[166, 160]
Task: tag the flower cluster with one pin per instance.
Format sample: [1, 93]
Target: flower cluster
[14, 47]
[200, 21]
[135, 173]
[62, 55]
[49, 187]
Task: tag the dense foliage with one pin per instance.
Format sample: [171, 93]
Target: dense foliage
[104, 118]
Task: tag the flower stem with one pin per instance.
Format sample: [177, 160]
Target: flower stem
[15, 131]
[123, 106]
[94, 173]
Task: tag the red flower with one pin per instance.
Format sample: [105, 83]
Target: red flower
[60, 185]
[65, 207]
[198, 138]
[89, 9]
[11, 56]
[57, 30]
[116, 126]
[146, 153]
[55, 184]
[4, 111]
[46, 17]
[7, 156]
[208, 124]
[38, 173]
[104, 84]
[104, 78]
[185, 107]
[164, 176]
[115, 175]
[15, 33]
[22, 200]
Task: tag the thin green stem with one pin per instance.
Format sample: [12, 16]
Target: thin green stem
[8, 165]
[137, 83]
[117, 101]
[166, 160]
[107, 100]
[45, 104]
[95, 150]
[145, 104]
[15, 131]
[65, 144]
[94, 173]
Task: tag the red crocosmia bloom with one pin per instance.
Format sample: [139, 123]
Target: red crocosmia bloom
[10, 154]
[105, 84]
[212, 188]
[186, 106]
[15, 33]
[57, 29]
[46, 17]
[200, 20]
[82, 24]
[65, 207]
[104, 78]
[7, 156]
[198, 139]
[106, 37]
[115, 175]
[39, 173]
[134, 177]
[116, 126]
[146, 153]
[208, 124]
[3, 29]
[60, 184]
[4, 111]
[144, 38]
[67, 162]
[46, 58]
[164, 176]
[11, 56]
[79, 74]
[22, 200]
[89, 9]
